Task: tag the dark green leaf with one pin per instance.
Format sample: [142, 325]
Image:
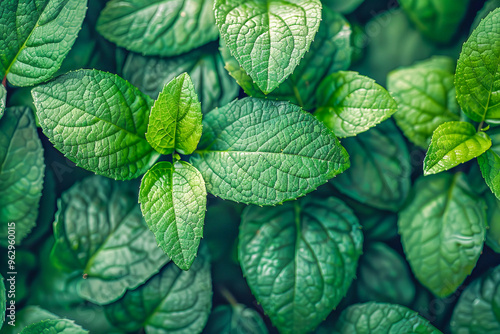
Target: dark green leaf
[493, 214]
[342, 6]
[3, 97]
[3, 301]
[28, 316]
[237, 319]
[489, 162]
[54, 326]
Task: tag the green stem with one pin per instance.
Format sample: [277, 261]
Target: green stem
[480, 126]
[228, 296]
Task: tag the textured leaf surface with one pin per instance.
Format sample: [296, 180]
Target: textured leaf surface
[268, 38]
[489, 162]
[36, 36]
[237, 319]
[100, 232]
[380, 171]
[264, 152]
[426, 98]
[454, 143]
[349, 103]
[442, 230]
[54, 326]
[173, 201]
[158, 27]
[21, 172]
[175, 119]
[173, 301]
[299, 259]
[98, 121]
[477, 309]
[478, 76]
[378, 318]
[3, 97]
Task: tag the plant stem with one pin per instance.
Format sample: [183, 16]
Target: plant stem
[480, 126]
[228, 296]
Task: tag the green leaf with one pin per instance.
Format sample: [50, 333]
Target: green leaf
[442, 230]
[493, 214]
[349, 103]
[380, 172]
[264, 152]
[27, 316]
[237, 319]
[158, 27]
[282, 255]
[173, 202]
[3, 301]
[98, 121]
[477, 309]
[36, 36]
[330, 52]
[438, 20]
[268, 38]
[478, 79]
[489, 162]
[342, 6]
[454, 143]
[21, 173]
[489, 6]
[375, 318]
[3, 97]
[100, 232]
[175, 120]
[211, 81]
[54, 326]
[426, 98]
[172, 301]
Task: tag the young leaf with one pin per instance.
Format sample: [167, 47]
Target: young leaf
[3, 97]
[173, 202]
[268, 38]
[477, 309]
[489, 162]
[371, 318]
[98, 121]
[21, 173]
[282, 255]
[172, 301]
[442, 230]
[158, 27]
[36, 36]
[175, 120]
[228, 319]
[454, 143]
[54, 326]
[426, 98]
[478, 79]
[264, 152]
[100, 232]
[349, 103]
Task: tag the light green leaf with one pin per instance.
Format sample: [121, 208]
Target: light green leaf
[282, 255]
[342, 6]
[380, 172]
[3, 97]
[237, 319]
[426, 98]
[172, 301]
[173, 202]
[36, 36]
[493, 214]
[478, 77]
[3, 301]
[268, 38]
[349, 103]
[54, 326]
[27, 316]
[454, 143]
[175, 120]
[100, 232]
[264, 152]
[158, 27]
[442, 230]
[21, 173]
[489, 162]
[98, 121]
[378, 318]
[477, 309]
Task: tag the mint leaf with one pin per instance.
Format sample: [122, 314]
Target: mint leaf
[489, 162]
[426, 98]
[99, 231]
[27, 316]
[3, 301]
[22, 169]
[264, 152]
[172, 301]
[36, 36]
[349, 103]
[175, 119]
[98, 121]
[158, 27]
[289, 241]
[477, 308]
[238, 318]
[173, 201]
[3, 97]
[493, 214]
[54, 326]
[342, 6]
[442, 230]
[268, 38]
[478, 80]
[372, 317]
[454, 143]
[381, 175]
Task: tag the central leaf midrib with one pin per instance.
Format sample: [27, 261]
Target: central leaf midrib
[202, 152]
